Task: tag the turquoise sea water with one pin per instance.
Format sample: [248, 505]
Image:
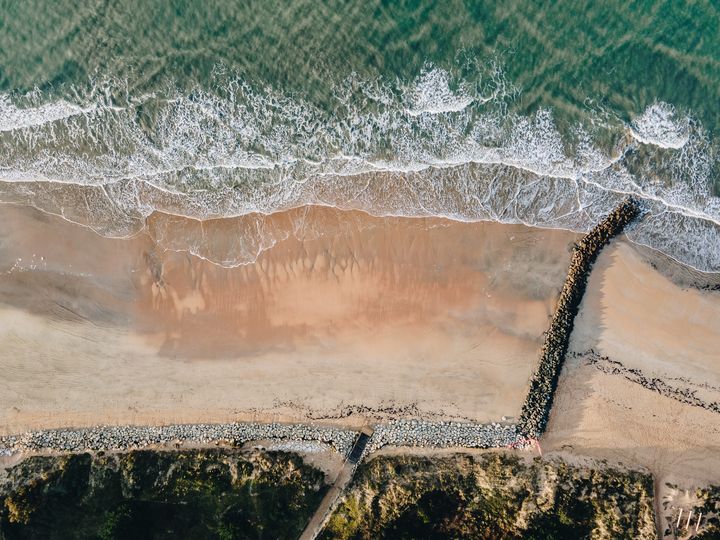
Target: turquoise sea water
[518, 111]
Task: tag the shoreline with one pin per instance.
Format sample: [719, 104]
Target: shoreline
[681, 272]
[535, 409]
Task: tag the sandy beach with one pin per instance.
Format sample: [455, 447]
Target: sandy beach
[645, 330]
[343, 318]
[346, 319]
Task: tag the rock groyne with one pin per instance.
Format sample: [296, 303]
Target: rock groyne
[538, 401]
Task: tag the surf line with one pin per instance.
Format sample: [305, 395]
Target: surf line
[539, 399]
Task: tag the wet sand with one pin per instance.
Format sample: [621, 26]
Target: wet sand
[648, 327]
[343, 318]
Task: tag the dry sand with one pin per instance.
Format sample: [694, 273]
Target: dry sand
[635, 316]
[342, 318]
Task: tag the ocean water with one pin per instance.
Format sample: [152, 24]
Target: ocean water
[522, 112]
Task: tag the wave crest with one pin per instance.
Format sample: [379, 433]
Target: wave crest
[659, 125]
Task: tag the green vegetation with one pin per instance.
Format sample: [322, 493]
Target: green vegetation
[219, 494]
[233, 494]
[710, 507]
[493, 495]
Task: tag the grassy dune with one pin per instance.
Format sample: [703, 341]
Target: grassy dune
[145, 494]
[492, 495]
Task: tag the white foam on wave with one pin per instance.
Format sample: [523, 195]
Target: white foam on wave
[13, 117]
[417, 149]
[659, 125]
[431, 94]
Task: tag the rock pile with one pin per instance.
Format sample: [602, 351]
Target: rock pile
[442, 435]
[536, 409]
[109, 438]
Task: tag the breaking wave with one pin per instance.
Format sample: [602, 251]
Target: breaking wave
[13, 118]
[432, 94]
[439, 145]
[660, 125]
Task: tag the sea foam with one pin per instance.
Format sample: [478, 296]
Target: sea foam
[438, 145]
[659, 125]
[431, 94]
[13, 117]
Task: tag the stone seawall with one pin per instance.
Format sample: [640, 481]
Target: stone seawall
[538, 401]
[442, 435]
[396, 433]
[115, 438]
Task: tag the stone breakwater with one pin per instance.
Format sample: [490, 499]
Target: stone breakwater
[538, 401]
[115, 438]
[442, 435]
